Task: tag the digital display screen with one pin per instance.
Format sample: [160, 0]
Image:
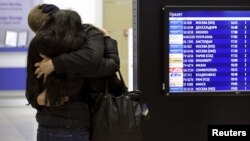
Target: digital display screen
[208, 50]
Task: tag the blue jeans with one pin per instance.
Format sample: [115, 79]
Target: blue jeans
[62, 134]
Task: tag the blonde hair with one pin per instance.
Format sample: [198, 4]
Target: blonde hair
[37, 18]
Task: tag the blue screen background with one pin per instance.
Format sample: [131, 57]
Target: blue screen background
[209, 51]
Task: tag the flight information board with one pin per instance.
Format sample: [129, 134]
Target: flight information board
[208, 50]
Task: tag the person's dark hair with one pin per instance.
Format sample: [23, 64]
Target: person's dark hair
[62, 33]
[49, 8]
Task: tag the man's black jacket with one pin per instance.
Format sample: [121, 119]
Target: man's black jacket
[88, 62]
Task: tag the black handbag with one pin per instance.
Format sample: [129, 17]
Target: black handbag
[118, 118]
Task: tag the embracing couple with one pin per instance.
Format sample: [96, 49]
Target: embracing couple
[68, 64]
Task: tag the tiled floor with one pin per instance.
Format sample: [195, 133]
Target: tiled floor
[17, 120]
[17, 123]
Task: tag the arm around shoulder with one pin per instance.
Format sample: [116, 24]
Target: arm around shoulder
[99, 58]
[84, 60]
